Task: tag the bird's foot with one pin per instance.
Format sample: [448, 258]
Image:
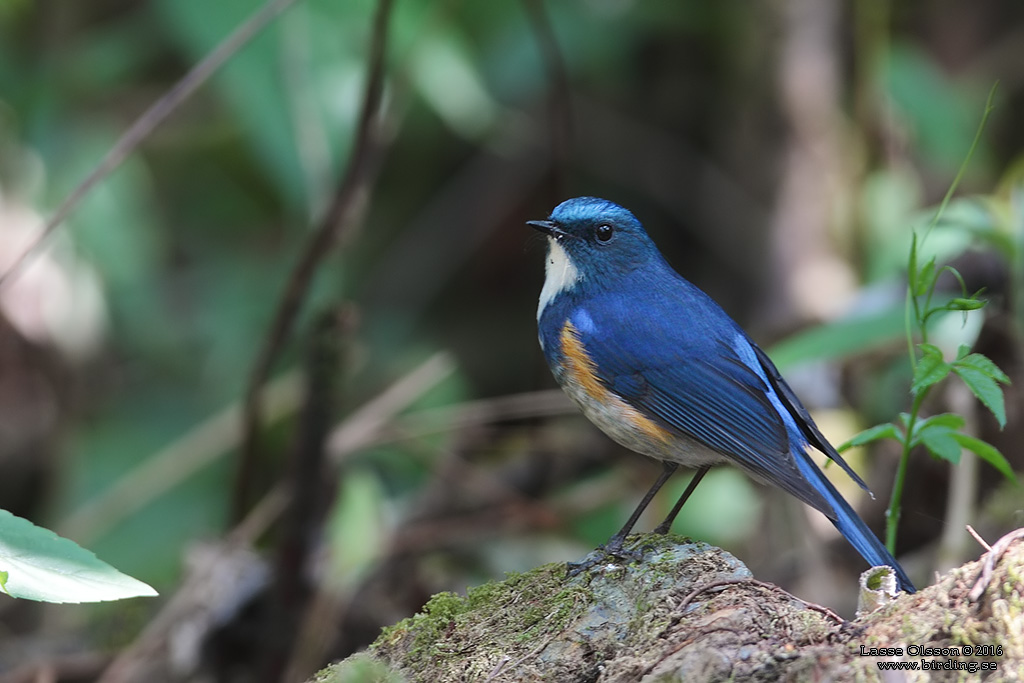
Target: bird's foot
[663, 528]
[605, 554]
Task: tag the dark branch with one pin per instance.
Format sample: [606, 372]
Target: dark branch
[338, 222]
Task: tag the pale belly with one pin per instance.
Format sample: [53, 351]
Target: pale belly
[619, 420]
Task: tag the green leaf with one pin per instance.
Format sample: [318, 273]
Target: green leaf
[988, 453]
[940, 442]
[876, 433]
[982, 377]
[913, 273]
[984, 364]
[948, 420]
[933, 428]
[40, 565]
[962, 304]
[936, 433]
[930, 368]
[925, 279]
[983, 386]
[962, 351]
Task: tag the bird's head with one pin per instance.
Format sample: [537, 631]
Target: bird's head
[592, 239]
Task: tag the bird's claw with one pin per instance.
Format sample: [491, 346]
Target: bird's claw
[604, 554]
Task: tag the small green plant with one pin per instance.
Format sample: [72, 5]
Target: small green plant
[942, 434]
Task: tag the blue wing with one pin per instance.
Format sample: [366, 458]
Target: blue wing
[679, 359]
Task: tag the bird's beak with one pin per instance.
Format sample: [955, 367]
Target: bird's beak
[547, 227]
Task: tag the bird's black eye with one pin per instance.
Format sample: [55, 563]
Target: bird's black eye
[604, 233]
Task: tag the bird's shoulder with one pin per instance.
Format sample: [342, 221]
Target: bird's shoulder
[657, 321]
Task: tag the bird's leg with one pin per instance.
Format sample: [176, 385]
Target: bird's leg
[613, 548]
[666, 525]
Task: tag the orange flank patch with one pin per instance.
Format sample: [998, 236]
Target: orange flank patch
[581, 370]
[580, 366]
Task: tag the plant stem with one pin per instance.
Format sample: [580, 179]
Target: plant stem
[892, 513]
[989, 107]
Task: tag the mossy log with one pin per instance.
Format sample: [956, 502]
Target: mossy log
[691, 612]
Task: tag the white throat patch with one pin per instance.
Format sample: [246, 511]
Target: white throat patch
[559, 275]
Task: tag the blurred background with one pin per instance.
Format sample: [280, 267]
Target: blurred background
[410, 439]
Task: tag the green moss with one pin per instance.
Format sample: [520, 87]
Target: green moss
[812, 624]
[359, 668]
[531, 606]
[437, 615]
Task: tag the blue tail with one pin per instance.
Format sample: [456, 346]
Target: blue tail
[851, 526]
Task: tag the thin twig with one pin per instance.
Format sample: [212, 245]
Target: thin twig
[338, 222]
[498, 667]
[977, 537]
[991, 558]
[762, 584]
[148, 121]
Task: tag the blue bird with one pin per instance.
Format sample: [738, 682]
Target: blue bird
[658, 366]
